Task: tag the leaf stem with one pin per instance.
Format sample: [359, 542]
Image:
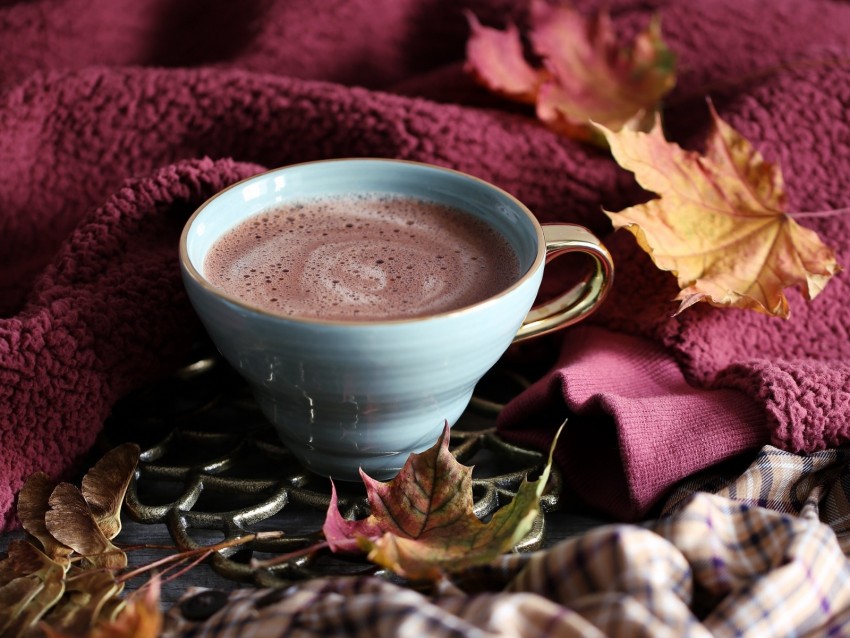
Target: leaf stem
[187, 568]
[157, 563]
[821, 213]
[130, 548]
[277, 560]
[202, 551]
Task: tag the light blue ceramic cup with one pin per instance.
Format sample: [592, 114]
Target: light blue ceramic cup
[345, 395]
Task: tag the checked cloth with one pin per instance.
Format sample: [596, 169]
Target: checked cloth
[764, 556]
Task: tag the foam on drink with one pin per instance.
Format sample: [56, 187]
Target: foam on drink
[362, 257]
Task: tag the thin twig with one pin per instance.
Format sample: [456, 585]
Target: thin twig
[188, 567]
[132, 548]
[206, 551]
[277, 560]
[821, 213]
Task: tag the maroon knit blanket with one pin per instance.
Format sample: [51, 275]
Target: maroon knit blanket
[119, 117]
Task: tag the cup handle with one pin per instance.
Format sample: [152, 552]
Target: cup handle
[583, 298]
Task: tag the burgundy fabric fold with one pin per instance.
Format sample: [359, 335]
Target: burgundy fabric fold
[118, 117]
[77, 345]
[634, 426]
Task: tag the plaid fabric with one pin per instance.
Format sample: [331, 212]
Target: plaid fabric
[753, 560]
[813, 486]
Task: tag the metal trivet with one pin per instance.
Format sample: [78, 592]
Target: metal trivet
[212, 468]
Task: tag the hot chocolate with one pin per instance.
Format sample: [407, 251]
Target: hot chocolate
[362, 257]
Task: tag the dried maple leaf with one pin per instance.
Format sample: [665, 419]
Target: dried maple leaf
[587, 75]
[720, 222]
[105, 485]
[422, 522]
[70, 520]
[32, 505]
[496, 60]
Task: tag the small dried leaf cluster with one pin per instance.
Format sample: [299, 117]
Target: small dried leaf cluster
[62, 580]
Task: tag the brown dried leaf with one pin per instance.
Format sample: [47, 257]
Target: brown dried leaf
[89, 596]
[21, 559]
[32, 584]
[70, 520]
[105, 485]
[15, 596]
[32, 505]
[140, 618]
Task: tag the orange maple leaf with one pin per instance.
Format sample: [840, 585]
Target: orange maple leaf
[587, 75]
[720, 223]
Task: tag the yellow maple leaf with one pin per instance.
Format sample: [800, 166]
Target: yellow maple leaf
[720, 222]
